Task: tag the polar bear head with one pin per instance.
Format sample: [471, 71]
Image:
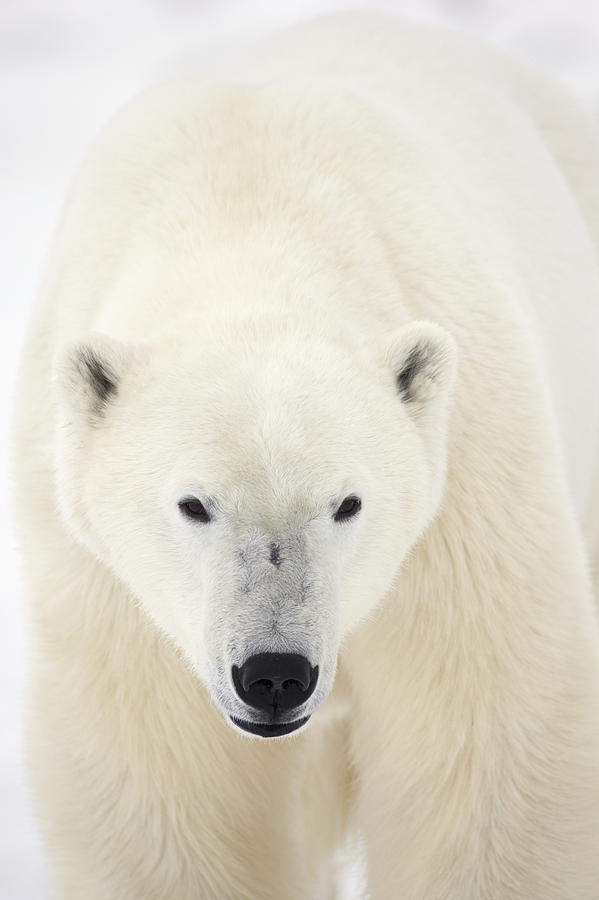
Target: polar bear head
[258, 495]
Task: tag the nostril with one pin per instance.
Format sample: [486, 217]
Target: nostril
[275, 682]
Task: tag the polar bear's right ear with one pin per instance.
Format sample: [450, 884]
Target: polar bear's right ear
[87, 375]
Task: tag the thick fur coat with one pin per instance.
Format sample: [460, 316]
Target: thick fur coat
[356, 266]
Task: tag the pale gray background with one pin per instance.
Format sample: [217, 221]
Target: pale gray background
[65, 66]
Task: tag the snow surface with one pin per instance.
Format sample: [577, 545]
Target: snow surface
[65, 66]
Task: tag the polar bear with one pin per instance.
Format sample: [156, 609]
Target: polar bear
[306, 431]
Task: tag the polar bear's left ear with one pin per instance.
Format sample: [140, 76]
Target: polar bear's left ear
[87, 375]
[422, 356]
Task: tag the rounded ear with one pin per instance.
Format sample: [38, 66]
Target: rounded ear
[87, 375]
[423, 358]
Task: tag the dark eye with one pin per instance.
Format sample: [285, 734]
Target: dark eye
[349, 507]
[194, 509]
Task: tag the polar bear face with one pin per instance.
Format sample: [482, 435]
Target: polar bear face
[257, 510]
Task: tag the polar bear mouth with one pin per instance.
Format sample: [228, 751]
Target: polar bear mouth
[269, 729]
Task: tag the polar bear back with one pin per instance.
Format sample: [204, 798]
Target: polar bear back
[509, 155]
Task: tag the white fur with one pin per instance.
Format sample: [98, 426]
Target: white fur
[255, 261]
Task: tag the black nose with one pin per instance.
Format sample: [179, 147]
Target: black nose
[275, 682]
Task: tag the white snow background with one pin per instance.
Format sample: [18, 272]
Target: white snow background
[65, 67]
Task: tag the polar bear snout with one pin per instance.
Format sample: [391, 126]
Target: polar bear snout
[275, 683]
